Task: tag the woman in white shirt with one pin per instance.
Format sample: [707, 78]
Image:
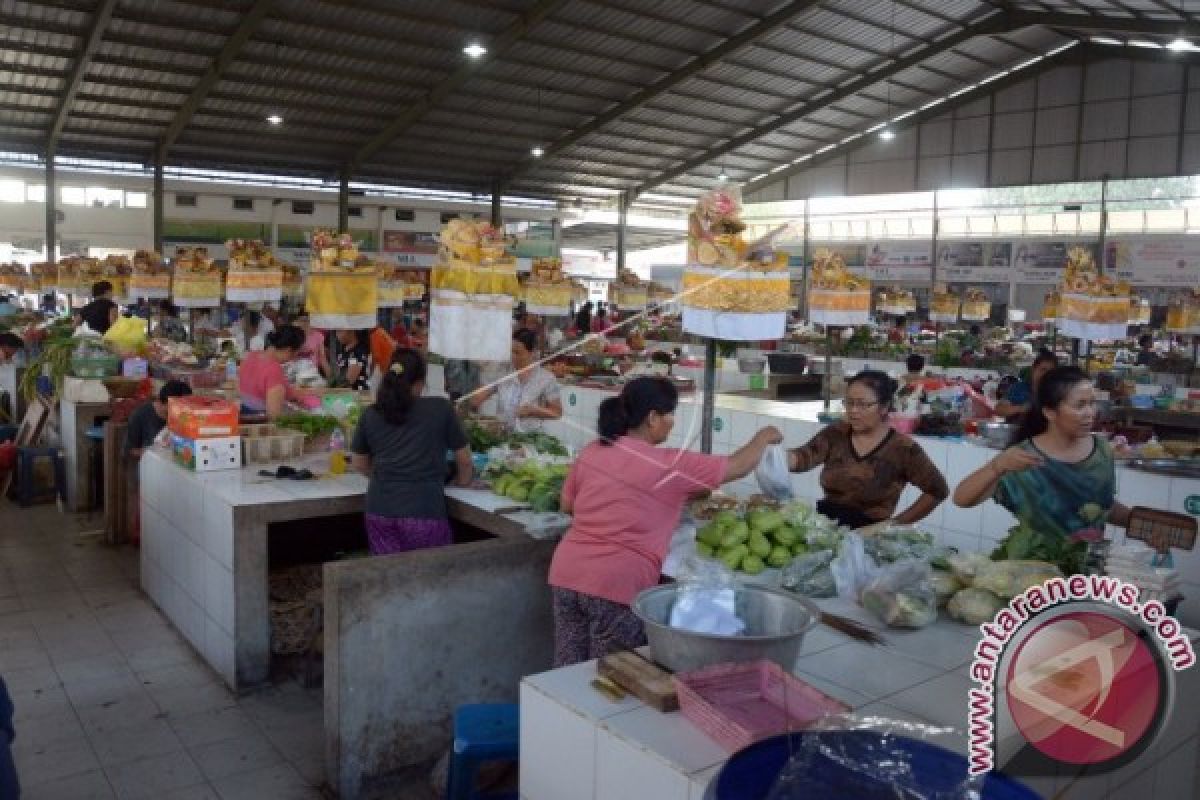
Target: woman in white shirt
[251, 335]
[529, 394]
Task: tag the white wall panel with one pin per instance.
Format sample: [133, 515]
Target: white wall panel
[935, 172]
[819, 182]
[969, 171]
[1013, 130]
[1156, 77]
[1058, 87]
[1155, 116]
[1107, 119]
[974, 108]
[1191, 119]
[1098, 159]
[1191, 154]
[936, 137]
[881, 177]
[1053, 164]
[1154, 156]
[1057, 125]
[1015, 98]
[1107, 80]
[971, 135]
[1010, 167]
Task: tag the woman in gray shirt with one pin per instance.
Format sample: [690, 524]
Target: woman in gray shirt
[400, 445]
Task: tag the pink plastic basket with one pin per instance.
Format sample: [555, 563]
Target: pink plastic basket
[738, 704]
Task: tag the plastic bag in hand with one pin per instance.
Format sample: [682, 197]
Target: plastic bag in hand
[853, 569]
[772, 473]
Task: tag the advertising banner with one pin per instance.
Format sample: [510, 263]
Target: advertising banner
[1154, 261]
[974, 262]
[1043, 262]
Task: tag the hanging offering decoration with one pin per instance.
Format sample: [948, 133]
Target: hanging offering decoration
[943, 307]
[837, 296]
[196, 279]
[393, 285]
[1183, 314]
[151, 278]
[976, 306]
[1139, 310]
[1094, 306]
[628, 292]
[255, 275]
[15, 278]
[732, 289]
[1051, 305]
[660, 294]
[293, 283]
[546, 289]
[44, 276]
[473, 290]
[896, 301]
[343, 285]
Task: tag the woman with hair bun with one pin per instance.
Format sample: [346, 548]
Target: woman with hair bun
[400, 445]
[626, 494]
[866, 463]
[1057, 476]
[261, 381]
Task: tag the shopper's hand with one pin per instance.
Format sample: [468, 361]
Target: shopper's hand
[1015, 459]
[769, 435]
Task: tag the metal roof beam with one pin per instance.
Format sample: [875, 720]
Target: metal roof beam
[233, 46]
[95, 35]
[990, 23]
[670, 81]
[1096, 23]
[511, 36]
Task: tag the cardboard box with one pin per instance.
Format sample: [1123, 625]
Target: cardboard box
[207, 455]
[198, 417]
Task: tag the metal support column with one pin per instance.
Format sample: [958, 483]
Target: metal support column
[622, 221]
[709, 391]
[159, 203]
[497, 198]
[933, 265]
[51, 211]
[344, 202]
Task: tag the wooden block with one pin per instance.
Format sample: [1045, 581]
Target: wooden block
[645, 681]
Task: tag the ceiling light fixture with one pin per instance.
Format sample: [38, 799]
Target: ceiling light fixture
[274, 119]
[722, 177]
[1145, 43]
[887, 134]
[1106, 40]
[475, 50]
[1179, 44]
[536, 151]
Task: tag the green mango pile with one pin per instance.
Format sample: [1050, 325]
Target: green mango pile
[540, 485]
[752, 542]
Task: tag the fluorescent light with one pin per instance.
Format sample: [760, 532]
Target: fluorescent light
[759, 176]
[1106, 40]
[722, 177]
[877, 127]
[887, 134]
[274, 119]
[802, 159]
[933, 103]
[1028, 63]
[826, 148]
[1178, 44]
[536, 151]
[995, 77]
[1061, 48]
[475, 50]
[963, 90]
[776, 169]
[907, 114]
[1145, 43]
[851, 138]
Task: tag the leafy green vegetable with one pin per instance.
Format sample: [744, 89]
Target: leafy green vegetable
[309, 424]
[1024, 543]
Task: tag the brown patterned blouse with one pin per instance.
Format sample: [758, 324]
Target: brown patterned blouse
[869, 484]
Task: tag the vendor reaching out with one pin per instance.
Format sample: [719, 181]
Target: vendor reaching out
[400, 445]
[527, 396]
[261, 381]
[1057, 477]
[626, 494]
[867, 464]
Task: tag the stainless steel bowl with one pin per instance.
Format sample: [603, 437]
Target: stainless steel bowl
[997, 434]
[776, 622]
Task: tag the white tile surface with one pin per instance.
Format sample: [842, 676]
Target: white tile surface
[843, 666]
[625, 771]
[943, 646]
[219, 594]
[220, 651]
[942, 700]
[1135, 488]
[558, 750]
[671, 737]
[569, 686]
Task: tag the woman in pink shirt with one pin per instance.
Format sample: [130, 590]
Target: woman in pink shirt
[261, 382]
[626, 494]
[314, 343]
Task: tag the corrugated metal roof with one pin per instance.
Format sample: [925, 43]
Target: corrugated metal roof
[620, 92]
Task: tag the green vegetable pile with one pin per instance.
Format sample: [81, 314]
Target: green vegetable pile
[309, 424]
[540, 485]
[544, 443]
[752, 542]
[481, 439]
[1024, 543]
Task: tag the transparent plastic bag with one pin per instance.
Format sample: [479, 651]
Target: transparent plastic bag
[772, 473]
[810, 575]
[853, 569]
[902, 595]
[705, 601]
[1010, 578]
[876, 758]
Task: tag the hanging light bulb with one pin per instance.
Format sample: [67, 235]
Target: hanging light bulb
[722, 177]
[536, 151]
[475, 50]
[1179, 44]
[887, 134]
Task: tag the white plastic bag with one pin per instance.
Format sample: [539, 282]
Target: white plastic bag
[772, 473]
[853, 569]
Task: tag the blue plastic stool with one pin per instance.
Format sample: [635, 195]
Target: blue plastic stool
[26, 456]
[482, 732]
[8, 433]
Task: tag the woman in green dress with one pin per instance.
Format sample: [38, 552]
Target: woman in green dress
[1057, 478]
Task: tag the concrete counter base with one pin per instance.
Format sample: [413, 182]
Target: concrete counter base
[410, 637]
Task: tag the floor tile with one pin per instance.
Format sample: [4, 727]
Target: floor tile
[211, 726]
[233, 756]
[154, 777]
[136, 743]
[43, 766]
[157, 656]
[52, 732]
[280, 782]
[92, 785]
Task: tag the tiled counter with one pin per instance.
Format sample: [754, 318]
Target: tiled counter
[576, 744]
[976, 529]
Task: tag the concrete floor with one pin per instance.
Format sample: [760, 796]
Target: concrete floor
[111, 702]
